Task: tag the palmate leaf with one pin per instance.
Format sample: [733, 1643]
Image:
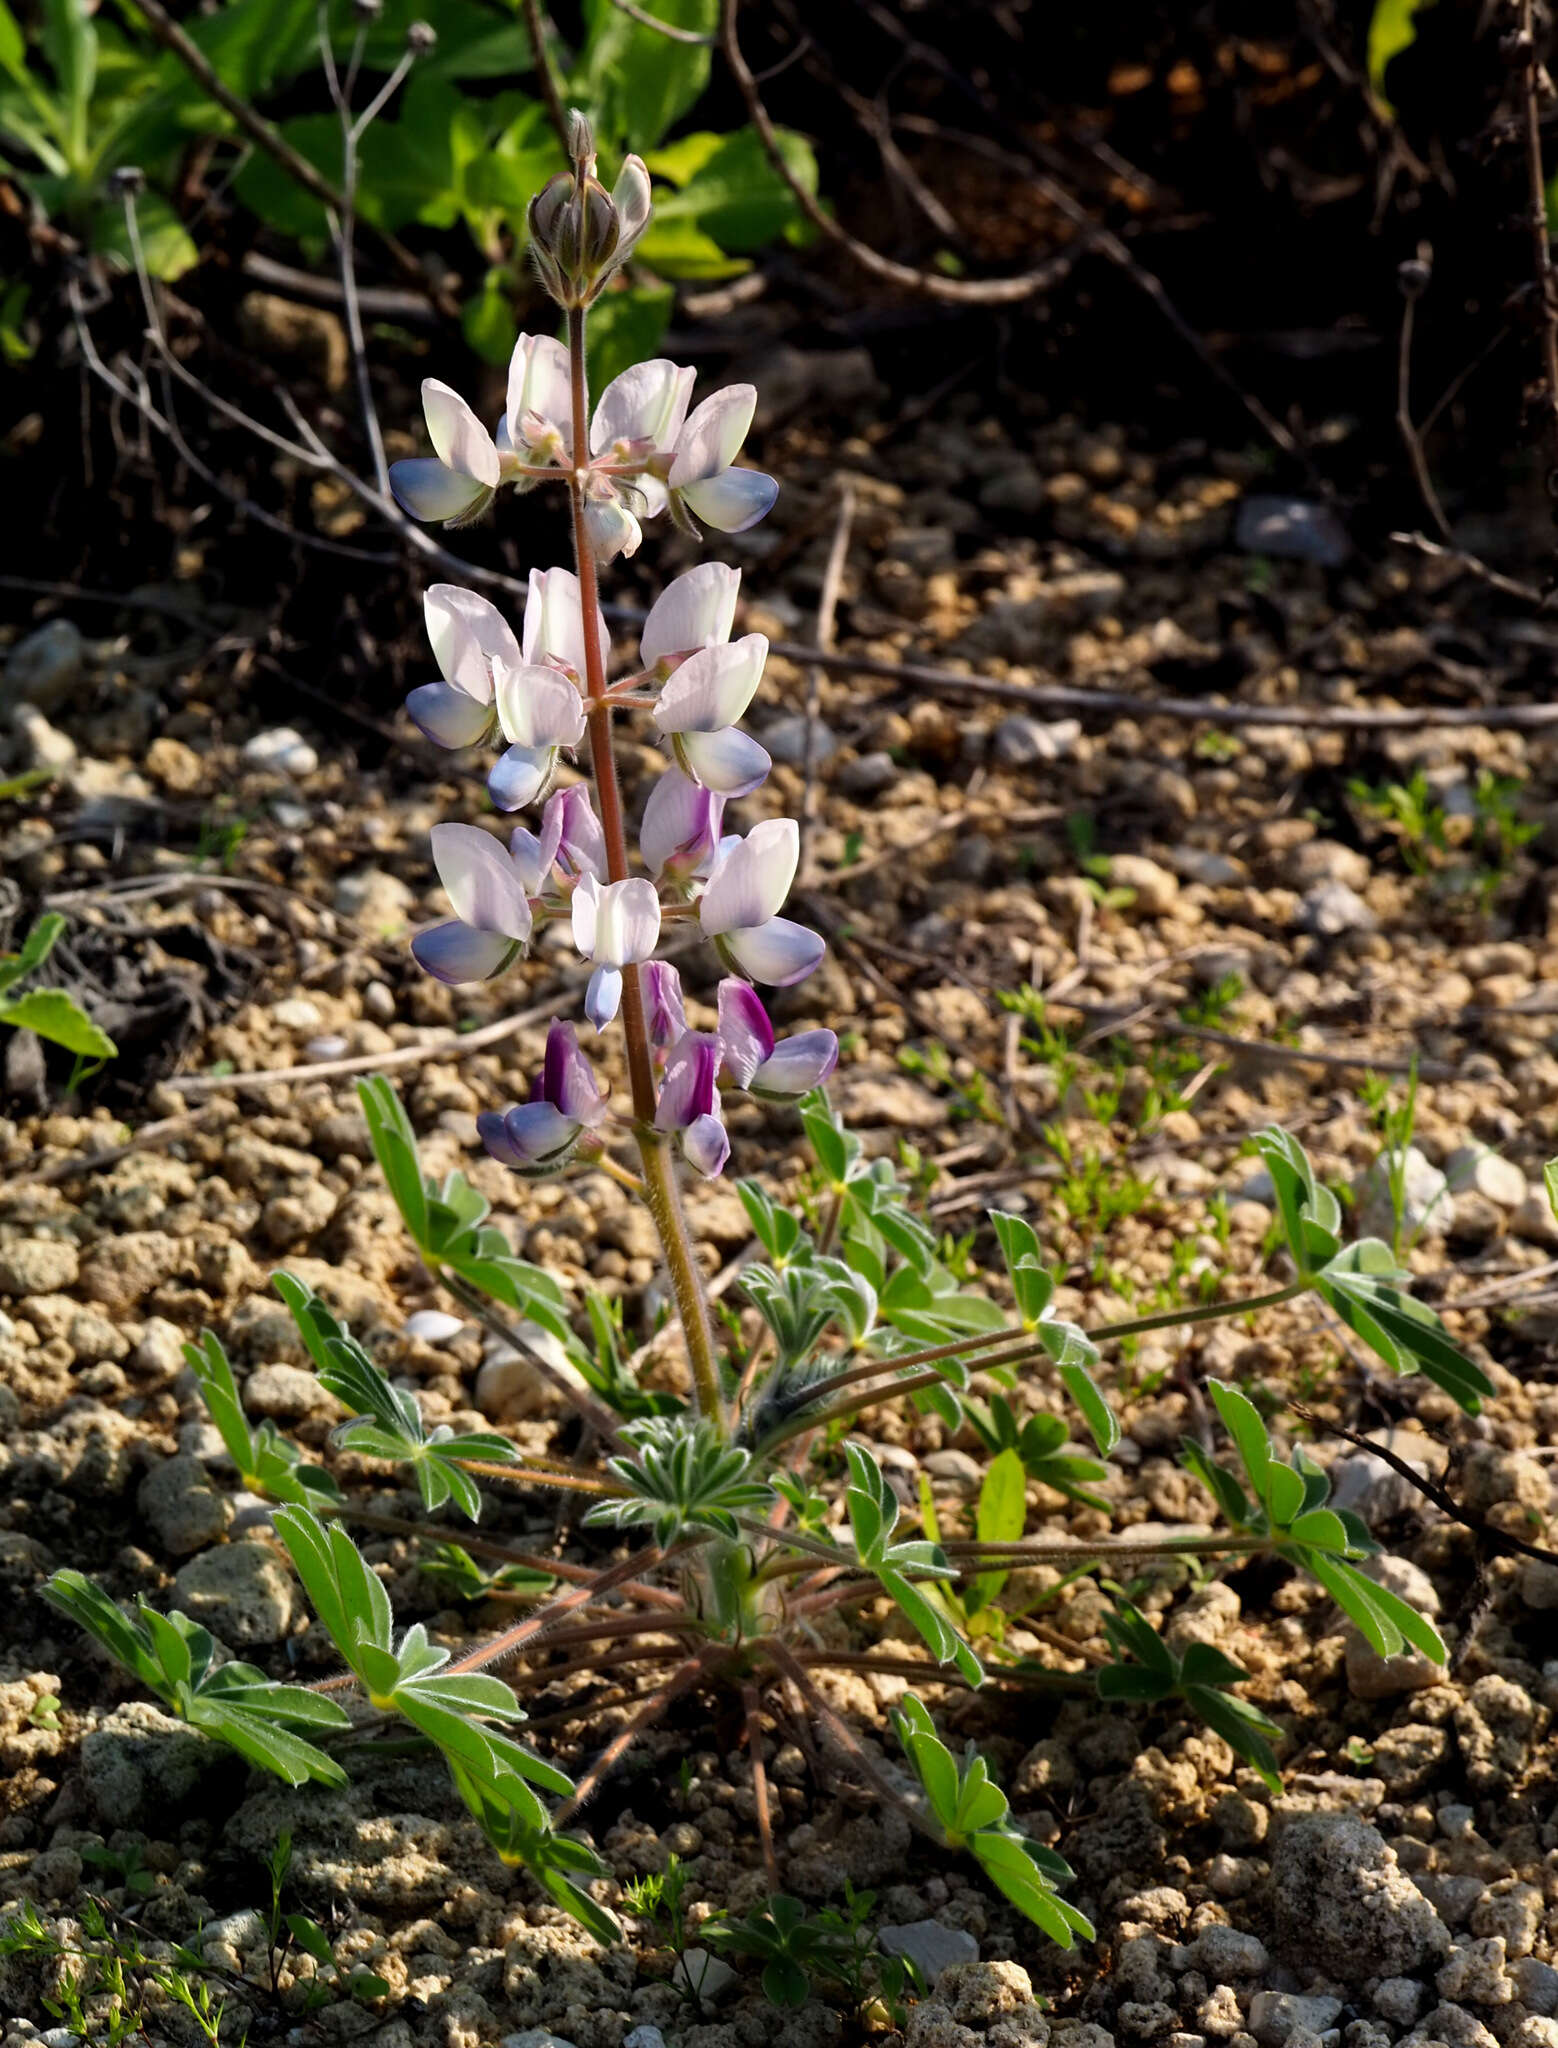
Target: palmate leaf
[395, 1148]
[267, 1463]
[499, 1792]
[345, 1594]
[1310, 1214]
[973, 1814]
[235, 1703]
[1362, 1285]
[1199, 1677]
[872, 1507]
[680, 1474]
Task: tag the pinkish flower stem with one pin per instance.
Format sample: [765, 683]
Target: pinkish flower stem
[662, 1194]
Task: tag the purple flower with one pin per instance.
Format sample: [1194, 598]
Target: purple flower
[753, 1061]
[565, 1101]
[680, 835]
[614, 924]
[739, 908]
[490, 891]
[581, 844]
[689, 1102]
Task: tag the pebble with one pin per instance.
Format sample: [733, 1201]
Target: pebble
[1154, 889]
[241, 1592]
[1276, 2015]
[786, 740]
[929, 1945]
[38, 1265]
[281, 749]
[44, 667]
[286, 1393]
[704, 1975]
[956, 1467]
[42, 745]
[378, 1002]
[1534, 1221]
[1332, 908]
[1343, 1905]
[183, 1507]
[867, 775]
[1297, 529]
[332, 1046]
[1020, 741]
[296, 1013]
[644, 2037]
[1211, 870]
[376, 899]
[1425, 1197]
[1487, 1173]
[543, 2037]
[433, 1325]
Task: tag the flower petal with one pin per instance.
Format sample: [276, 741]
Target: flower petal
[568, 1080]
[746, 1037]
[539, 382]
[603, 996]
[712, 437]
[611, 528]
[696, 610]
[729, 762]
[713, 687]
[429, 491]
[454, 953]
[733, 500]
[520, 775]
[777, 953]
[554, 629]
[706, 1144]
[586, 906]
[483, 884]
[580, 842]
[753, 879]
[631, 197]
[459, 439]
[627, 922]
[664, 1012]
[798, 1063]
[538, 707]
[448, 716]
[690, 1088]
[526, 1135]
[467, 635]
[681, 824]
[646, 403]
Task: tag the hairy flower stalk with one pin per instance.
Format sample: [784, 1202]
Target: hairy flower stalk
[546, 691]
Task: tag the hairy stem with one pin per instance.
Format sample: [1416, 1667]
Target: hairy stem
[1202, 1312]
[662, 1195]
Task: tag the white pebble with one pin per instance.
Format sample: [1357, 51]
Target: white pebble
[281, 749]
[331, 1047]
[433, 1325]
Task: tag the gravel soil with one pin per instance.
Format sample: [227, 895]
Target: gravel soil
[1230, 925]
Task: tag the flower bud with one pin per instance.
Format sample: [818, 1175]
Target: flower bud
[421, 38]
[128, 182]
[367, 10]
[581, 142]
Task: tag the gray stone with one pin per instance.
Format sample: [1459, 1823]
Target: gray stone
[1332, 908]
[785, 740]
[543, 2037]
[1295, 529]
[38, 1265]
[1020, 741]
[183, 1507]
[1276, 2015]
[140, 1767]
[44, 668]
[956, 1467]
[1398, 1999]
[1425, 1197]
[1223, 1952]
[286, 1393]
[1487, 1173]
[242, 1593]
[1343, 1905]
[868, 774]
[931, 1947]
[644, 2037]
[159, 1356]
[1154, 891]
[1536, 1985]
[705, 1975]
[242, 1932]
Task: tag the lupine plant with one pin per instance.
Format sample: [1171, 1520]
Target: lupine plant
[750, 1508]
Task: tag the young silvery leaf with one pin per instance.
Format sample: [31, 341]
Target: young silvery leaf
[236, 1703]
[1310, 1214]
[681, 1476]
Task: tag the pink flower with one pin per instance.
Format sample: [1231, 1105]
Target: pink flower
[752, 1060]
[565, 1101]
[689, 1102]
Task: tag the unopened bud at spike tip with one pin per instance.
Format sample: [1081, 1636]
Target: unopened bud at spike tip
[128, 182]
[421, 38]
[581, 142]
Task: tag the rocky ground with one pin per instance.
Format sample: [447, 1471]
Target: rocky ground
[1231, 925]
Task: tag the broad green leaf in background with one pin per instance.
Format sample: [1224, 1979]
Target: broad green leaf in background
[627, 326]
[1392, 29]
[633, 82]
[728, 193]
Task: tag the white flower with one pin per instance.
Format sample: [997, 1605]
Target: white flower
[614, 925]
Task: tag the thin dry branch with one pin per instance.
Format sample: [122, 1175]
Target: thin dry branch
[1533, 81]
